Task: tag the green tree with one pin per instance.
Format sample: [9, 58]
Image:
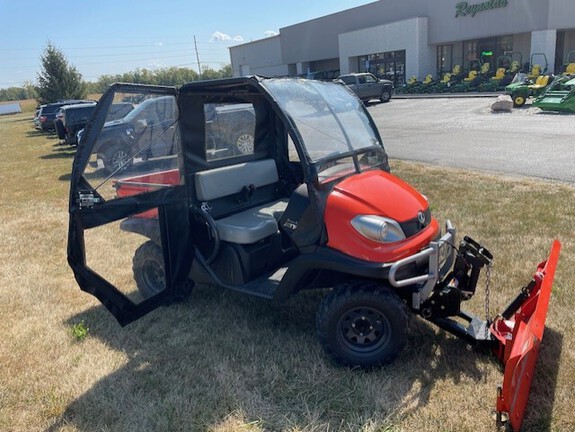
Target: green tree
[57, 78]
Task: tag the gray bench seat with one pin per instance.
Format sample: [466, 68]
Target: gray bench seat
[252, 225]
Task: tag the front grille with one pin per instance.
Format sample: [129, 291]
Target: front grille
[413, 226]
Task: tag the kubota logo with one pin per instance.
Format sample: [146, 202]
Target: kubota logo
[421, 217]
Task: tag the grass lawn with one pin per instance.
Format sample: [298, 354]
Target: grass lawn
[225, 362]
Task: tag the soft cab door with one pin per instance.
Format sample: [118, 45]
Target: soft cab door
[128, 237]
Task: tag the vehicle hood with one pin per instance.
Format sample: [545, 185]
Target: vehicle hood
[380, 193]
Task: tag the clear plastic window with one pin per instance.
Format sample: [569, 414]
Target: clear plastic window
[329, 118]
[230, 130]
[136, 149]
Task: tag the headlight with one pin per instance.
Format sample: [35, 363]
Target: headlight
[378, 228]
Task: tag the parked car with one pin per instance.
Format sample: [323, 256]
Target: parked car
[36, 120]
[74, 118]
[58, 125]
[149, 132]
[367, 86]
[48, 112]
[116, 112]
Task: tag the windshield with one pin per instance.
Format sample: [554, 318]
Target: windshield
[330, 120]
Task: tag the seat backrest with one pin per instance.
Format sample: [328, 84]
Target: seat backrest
[428, 79]
[570, 69]
[229, 180]
[485, 68]
[456, 69]
[471, 76]
[500, 73]
[535, 70]
[544, 80]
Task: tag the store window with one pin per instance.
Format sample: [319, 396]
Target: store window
[388, 65]
[444, 58]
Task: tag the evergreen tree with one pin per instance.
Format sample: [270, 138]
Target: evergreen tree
[58, 79]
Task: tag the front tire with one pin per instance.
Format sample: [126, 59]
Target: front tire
[519, 100]
[362, 325]
[117, 159]
[148, 268]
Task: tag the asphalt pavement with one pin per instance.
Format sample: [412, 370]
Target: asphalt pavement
[465, 133]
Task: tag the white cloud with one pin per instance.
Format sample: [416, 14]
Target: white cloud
[270, 33]
[219, 37]
[159, 44]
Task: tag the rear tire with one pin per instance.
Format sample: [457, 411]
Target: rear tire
[148, 268]
[385, 96]
[362, 325]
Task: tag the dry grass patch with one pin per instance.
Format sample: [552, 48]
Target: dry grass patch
[226, 362]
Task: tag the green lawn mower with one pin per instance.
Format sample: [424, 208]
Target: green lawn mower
[560, 96]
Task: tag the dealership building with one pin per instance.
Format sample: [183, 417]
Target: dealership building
[397, 39]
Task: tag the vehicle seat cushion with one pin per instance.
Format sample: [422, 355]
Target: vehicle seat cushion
[251, 225]
[229, 180]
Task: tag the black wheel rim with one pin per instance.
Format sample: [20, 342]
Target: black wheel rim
[364, 330]
[154, 278]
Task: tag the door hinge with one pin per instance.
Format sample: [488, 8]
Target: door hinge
[86, 199]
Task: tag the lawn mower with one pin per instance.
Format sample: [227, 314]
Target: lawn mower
[532, 84]
[559, 96]
[302, 199]
[504, 74]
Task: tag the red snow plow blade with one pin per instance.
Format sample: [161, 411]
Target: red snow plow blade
[519, 331]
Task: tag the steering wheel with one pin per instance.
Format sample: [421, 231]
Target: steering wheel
[211, 235]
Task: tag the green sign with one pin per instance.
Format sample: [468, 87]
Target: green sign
[487, 53]
[464, 8]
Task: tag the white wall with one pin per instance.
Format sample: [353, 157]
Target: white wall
[262, 57]
[544, 42]
[410, 35]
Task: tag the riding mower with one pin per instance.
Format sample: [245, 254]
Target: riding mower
[473, 80]
[310, 205]
[503, 75]
[559, 96]
[533, 84]
[449, 79]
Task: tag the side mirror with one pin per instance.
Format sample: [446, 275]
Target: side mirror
[140, 126]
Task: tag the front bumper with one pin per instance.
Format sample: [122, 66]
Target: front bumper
[437, 259]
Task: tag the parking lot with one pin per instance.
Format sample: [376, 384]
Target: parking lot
[464, 133]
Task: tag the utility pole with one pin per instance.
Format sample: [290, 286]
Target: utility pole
[198, 57]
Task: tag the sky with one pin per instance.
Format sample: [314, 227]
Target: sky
[101, 37]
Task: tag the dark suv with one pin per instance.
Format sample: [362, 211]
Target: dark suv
[74, 118]
[148, 132]
[48, 112]
[367, 86]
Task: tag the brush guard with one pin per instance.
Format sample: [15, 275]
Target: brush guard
[514, 336]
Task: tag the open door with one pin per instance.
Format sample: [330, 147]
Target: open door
[129, 242]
